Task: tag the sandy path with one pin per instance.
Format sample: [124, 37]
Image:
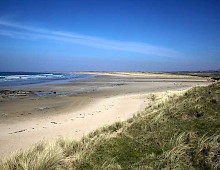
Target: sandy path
[71, 124]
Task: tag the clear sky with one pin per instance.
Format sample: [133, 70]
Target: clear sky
[109, 35]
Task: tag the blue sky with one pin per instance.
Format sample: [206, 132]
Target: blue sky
[115, 35]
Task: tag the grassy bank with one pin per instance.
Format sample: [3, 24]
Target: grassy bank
[176, 131]
[211, 75]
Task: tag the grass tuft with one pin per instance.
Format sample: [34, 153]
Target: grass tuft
[40, 156]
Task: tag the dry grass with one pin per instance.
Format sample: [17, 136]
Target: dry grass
[42, 156]
[177, 131]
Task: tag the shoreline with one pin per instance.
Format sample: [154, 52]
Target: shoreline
[100, 100]
[22, 82]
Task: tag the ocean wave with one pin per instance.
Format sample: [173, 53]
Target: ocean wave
[12, 79]
[26, 77]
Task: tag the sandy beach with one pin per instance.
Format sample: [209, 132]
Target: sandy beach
[83, 106]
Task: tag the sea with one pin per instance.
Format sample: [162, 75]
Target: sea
[22, 79]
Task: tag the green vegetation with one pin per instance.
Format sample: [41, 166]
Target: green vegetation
[177, 131]
[213, 76]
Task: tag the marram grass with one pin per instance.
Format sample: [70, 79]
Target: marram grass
[177, 131]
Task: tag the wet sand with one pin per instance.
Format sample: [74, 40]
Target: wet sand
[86, 105]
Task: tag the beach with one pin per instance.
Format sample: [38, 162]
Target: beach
[74, 109]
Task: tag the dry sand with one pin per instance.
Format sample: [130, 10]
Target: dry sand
[99, 101]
